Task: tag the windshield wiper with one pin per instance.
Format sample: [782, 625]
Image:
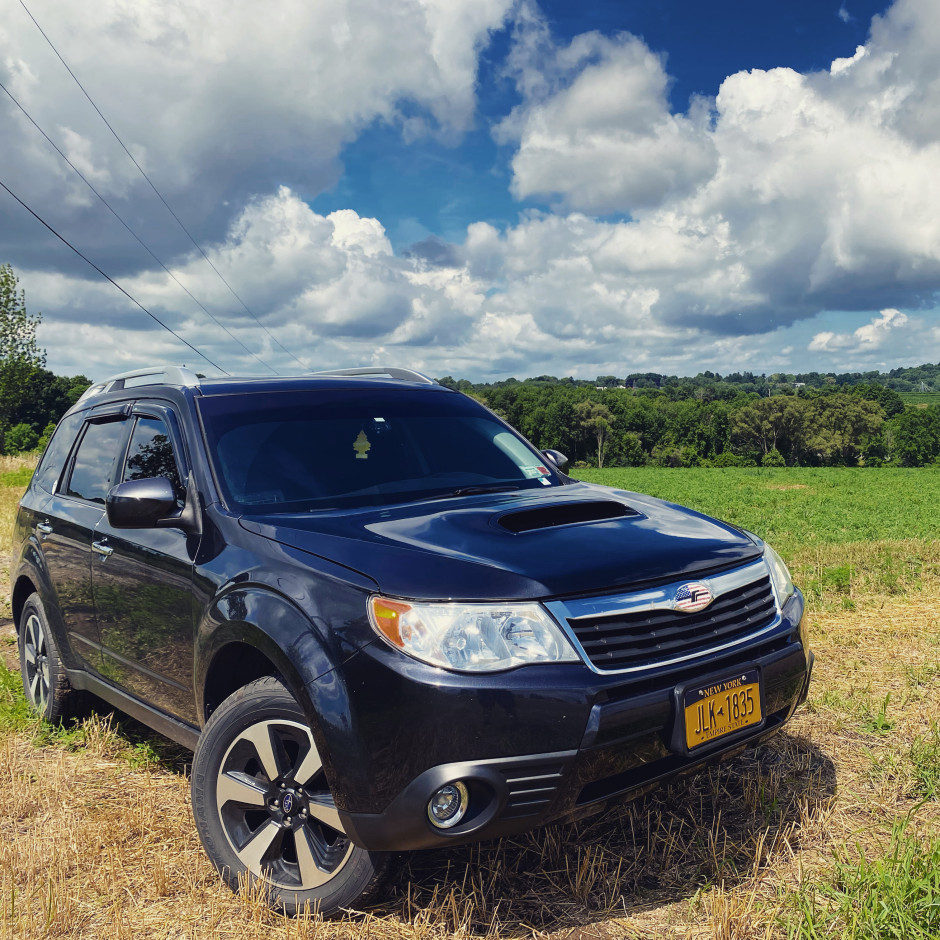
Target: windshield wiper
[483, 488]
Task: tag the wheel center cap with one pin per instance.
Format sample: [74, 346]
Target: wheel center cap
[289, 803]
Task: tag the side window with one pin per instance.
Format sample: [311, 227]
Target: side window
[57, 452]
[151, 454]
[93, 472]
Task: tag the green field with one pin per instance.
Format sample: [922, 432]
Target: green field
[845, 533]
[798, 508]
[920, 399]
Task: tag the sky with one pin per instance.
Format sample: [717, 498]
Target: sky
[474, 188]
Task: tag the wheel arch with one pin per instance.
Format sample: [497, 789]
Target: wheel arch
[233, 666]
[22, 589]
[29, 575]
[250, 632]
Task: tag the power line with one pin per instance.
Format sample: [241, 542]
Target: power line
[154, 188]
[107, 277]
[140, 241]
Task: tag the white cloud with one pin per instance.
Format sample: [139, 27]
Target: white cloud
[333, 292]
[320, 284]
[795, 194]
[842, 65]
[596, 130]
[220, 101]
[801, 193]
[866, 338]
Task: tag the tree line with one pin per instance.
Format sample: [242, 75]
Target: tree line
[710, 421]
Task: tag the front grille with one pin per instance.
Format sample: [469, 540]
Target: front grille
[654, 635]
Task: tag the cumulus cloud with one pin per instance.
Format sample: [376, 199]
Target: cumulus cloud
[872, 336]
[799, 193]
[320, 285]
[595, 127]
[219, 101]
[786, 195]
[332, 291]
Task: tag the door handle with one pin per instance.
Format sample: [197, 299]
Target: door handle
[44, 528]
[102, 549]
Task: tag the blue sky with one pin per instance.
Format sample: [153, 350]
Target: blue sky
[480, 187]
[437, 189]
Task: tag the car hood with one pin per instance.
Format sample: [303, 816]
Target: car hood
[531, 544]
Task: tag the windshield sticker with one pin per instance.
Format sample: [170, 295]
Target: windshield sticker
[362, 446]
[533, 473]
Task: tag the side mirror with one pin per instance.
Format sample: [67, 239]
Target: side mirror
[141, 504]
[557, 458]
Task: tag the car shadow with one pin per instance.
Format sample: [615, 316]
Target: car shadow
[720, 824]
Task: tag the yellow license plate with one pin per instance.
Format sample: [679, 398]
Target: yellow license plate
[722, 707]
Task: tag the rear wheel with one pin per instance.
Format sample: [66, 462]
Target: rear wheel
[44, 679]
[264, 810]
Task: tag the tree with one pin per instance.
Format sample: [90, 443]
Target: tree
[841, 427]
[890, 401]
[767, 424]
[47, 397]
[595, 419]
[20, 356]
[916, 436]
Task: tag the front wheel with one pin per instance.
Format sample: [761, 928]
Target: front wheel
[264, 810]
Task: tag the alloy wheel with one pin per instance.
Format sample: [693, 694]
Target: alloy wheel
[36, 662]
[276, 809]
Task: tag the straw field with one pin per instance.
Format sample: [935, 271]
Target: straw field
[831, 829]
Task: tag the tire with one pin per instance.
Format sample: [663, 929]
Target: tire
[44, 679]
[264, 810]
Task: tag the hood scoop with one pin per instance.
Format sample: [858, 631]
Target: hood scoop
[573, 513]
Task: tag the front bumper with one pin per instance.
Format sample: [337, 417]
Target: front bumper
[534, 745]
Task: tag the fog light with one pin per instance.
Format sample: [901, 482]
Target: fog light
[448, 805]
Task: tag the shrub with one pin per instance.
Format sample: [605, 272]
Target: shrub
[728, 459]
[46, 434]
[20, 438]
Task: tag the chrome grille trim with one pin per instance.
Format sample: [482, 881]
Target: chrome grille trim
[571, 613]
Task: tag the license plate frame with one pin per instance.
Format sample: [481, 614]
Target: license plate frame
[718, 708]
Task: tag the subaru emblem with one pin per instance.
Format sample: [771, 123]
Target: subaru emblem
[692, 597]
[288, 803]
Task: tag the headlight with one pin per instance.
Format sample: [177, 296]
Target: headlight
[778, 574]
[471, 637]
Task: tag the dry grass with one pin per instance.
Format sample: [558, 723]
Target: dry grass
[9, 497]
[99, 839]
[94, 847]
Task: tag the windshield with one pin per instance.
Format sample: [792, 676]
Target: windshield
[299, 451]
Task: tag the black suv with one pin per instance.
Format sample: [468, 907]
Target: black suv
[382, 619]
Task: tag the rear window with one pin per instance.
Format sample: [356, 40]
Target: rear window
[57, 451]
[312, 450]
[96, 460]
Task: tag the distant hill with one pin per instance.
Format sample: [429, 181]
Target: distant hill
[912, 379]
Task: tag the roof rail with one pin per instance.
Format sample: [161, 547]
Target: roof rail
[151, 375]
[406, 375]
